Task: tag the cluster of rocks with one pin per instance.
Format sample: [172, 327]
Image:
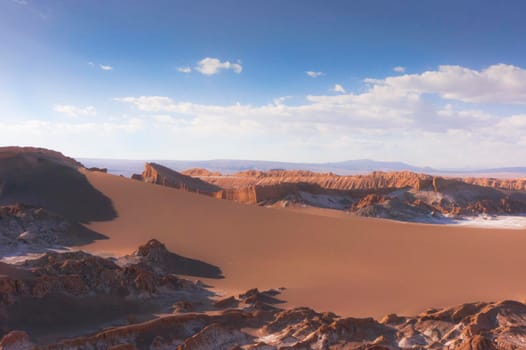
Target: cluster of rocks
[476, 326]
[438, 207]
[26, 228]
[71, 278]
[160, 259]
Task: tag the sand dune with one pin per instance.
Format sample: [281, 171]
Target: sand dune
[353, 266]
[47, 179]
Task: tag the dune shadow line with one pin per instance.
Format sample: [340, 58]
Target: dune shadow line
[157, 255]
[196, 268]
[58, 188]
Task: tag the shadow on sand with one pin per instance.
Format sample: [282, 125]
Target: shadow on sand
[157, 255]
[59, 188]
[181, 265]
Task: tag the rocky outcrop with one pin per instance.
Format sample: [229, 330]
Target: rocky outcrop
[78, 274]
[480, 326]
[155, 255]
[395, 208]
[56, 287]
[100, 170]
[374, 181]
[160, 175]
[16, 340]
[26, 229]
[402, 195]
[504, 184]
[200, 172]
[256, 194]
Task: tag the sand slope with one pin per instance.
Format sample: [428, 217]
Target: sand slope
[47, 179]
[353, 266]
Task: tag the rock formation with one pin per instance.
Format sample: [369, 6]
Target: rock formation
[16, 340]
[160, 175]
[375, 181]
[505, 184]
[100, 170]
[476, 326]
[26, 229]
[82, 291]
[200, 172]
[155, 255]
[401, 195]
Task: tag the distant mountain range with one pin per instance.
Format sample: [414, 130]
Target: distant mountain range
[348, 167]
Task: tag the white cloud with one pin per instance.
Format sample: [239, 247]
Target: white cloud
[313, 74]
[211, 66]
[417, 118]
[374, 109]
[391, 111]
[101, 66]
[372, 124]
[280, 100]
[399, 69]
[184, 69]
[338, 88]
[74, 111]
[499, 83]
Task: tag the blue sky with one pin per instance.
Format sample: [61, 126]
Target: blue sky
[438, 83]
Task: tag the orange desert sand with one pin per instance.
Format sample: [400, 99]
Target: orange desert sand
[349, 265]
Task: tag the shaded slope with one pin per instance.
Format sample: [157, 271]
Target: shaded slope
[49, 180]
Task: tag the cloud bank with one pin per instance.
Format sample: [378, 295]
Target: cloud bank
[443, 111]
[452, 116]
[500, 83]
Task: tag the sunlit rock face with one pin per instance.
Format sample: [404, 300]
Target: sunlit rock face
[404, 195]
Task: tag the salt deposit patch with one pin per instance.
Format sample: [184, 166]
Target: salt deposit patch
[499, 221]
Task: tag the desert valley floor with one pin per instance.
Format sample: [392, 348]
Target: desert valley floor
[349, 265]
